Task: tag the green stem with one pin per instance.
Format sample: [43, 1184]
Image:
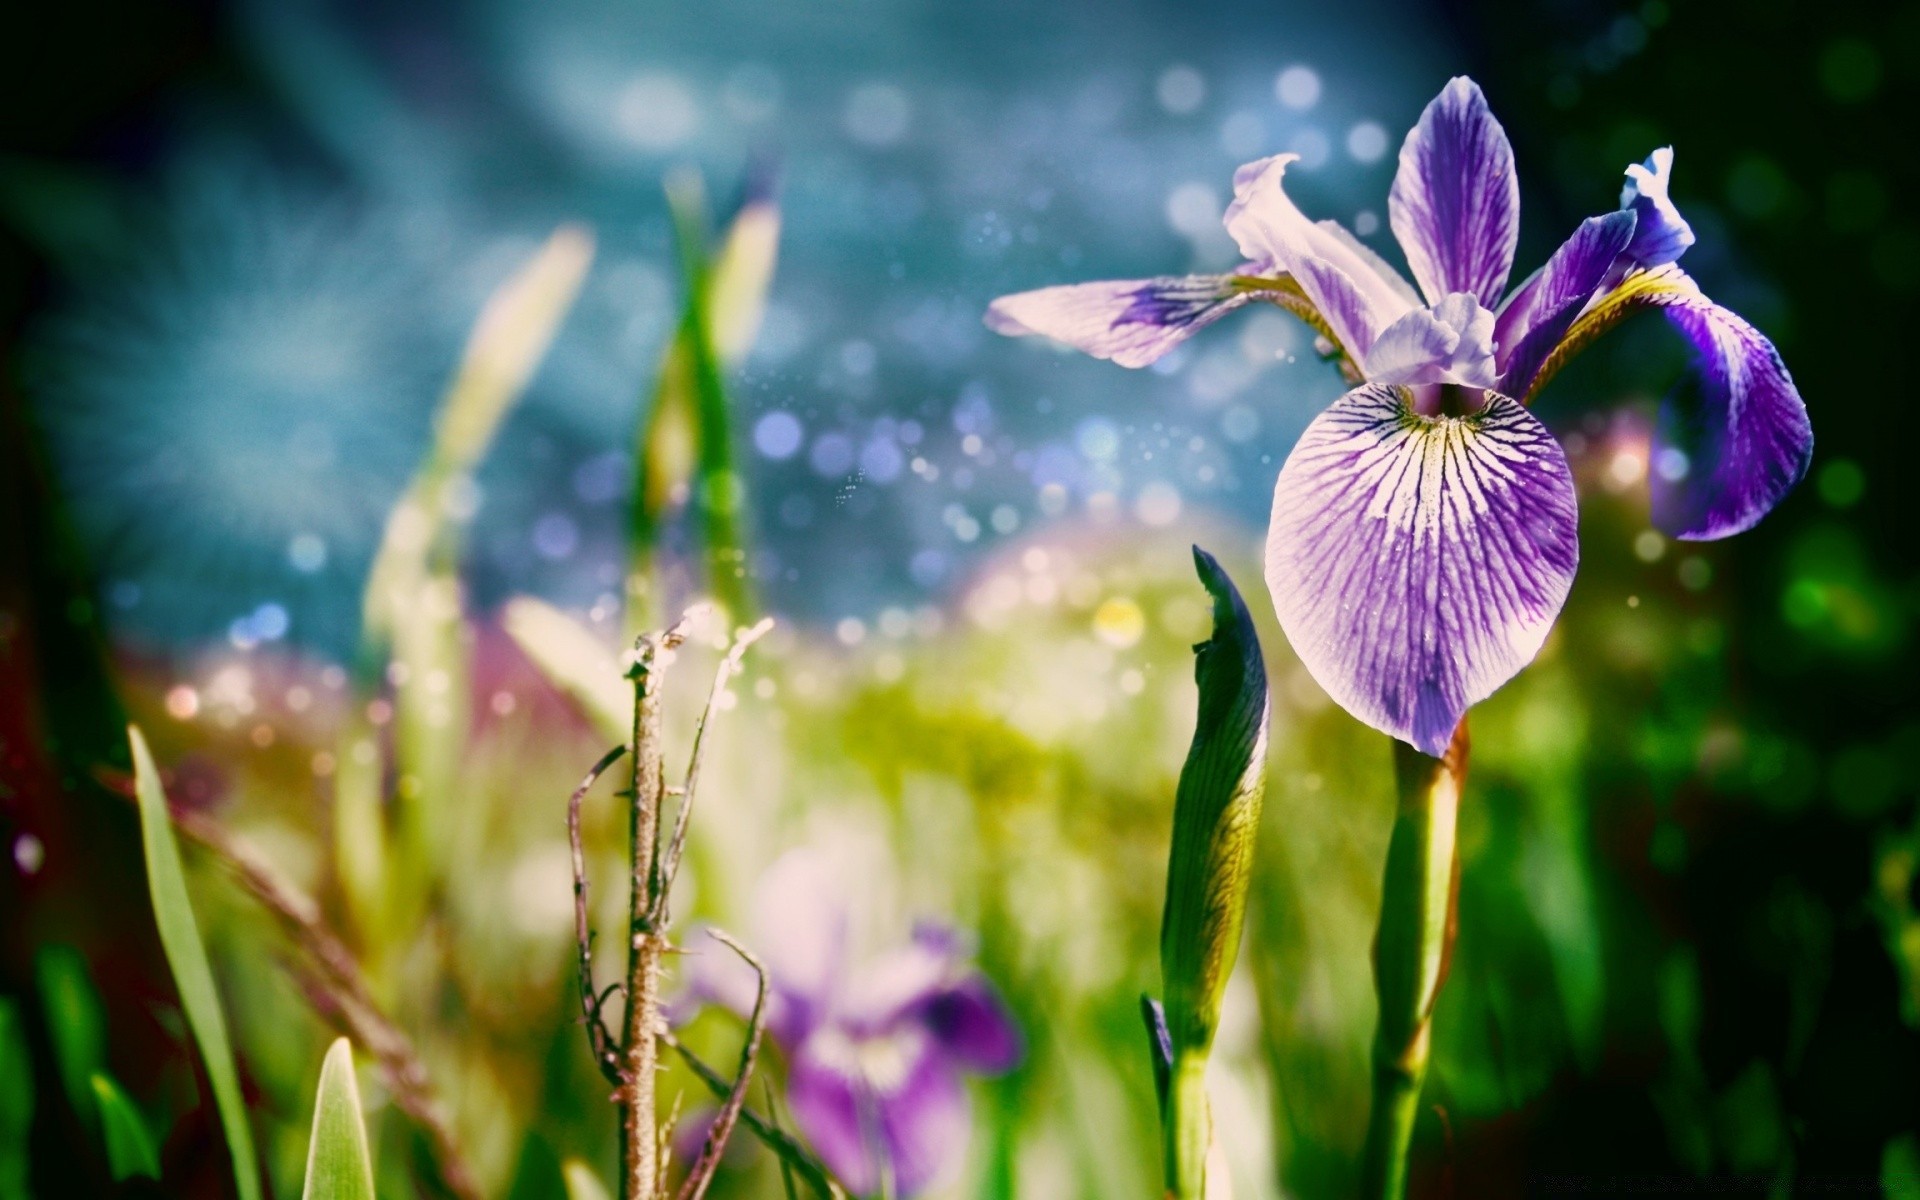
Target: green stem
[1411, 951]
[1188, 1125]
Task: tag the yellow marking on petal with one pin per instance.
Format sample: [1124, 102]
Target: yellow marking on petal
[1657, 288]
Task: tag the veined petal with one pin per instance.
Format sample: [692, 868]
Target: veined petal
[1417, 563]
[1662, 235]
[1724, 456]
[1541, 310]
[1726, 453]
[1455, 204]
[1130, 321]
[1345, 281]
[1452, 342]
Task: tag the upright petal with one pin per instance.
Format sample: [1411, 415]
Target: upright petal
[1345, 281]
[1455, 204]
[1130, 321]
[1542, 309]
[1452, 342]
[1417, 563]
[1662, 235]
[1727, 451]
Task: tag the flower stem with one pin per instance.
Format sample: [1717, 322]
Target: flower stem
[1411, 952]
[639, 1049]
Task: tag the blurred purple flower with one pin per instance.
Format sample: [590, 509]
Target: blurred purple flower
[1424, 535]
[876, 1047]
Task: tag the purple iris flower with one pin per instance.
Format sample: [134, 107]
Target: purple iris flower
[1423, 536]
[877, 1047]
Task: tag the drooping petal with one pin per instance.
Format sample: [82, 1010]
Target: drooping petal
[1417, 563]
[868, 1107]
[1727, 451]
[1455, 204]
[970, 1022]
[1662, 235]
[1541, 310]
[1130, 321]
[1452, 342]
[1344, 280]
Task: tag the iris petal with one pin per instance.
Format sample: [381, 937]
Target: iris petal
[972, 1025]
[1455, 204]
[1541, 310]
[1349, 284]
[1130, 321]
[1663, 235]
[871, 1107]
[1417, 563]
[1452, 342]
[1727, 451]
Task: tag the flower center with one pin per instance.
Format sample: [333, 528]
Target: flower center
[1448, 399]
[882, 1061]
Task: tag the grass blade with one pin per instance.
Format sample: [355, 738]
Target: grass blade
[16, 1100]
[187, 956]
[575, 661]
[582, 1183]
[75, 1023]
[339, 1166]
[130, 1149]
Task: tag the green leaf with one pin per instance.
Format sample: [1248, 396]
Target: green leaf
[130, 1149]
[685, 443]
[1900, 1168]
[339, 1166]
[582, 1183]
[576, 662]
[1216, 812]
[187, 955]
[16, 1100]
[75, 1024]
[411, 612]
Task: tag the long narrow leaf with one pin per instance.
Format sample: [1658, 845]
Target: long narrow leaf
[582, 1183]
[16, 1100]
[339, 1166]
[75, 1023]
[187, 955]
[685, 447]
[575, 661]
[130, 1151]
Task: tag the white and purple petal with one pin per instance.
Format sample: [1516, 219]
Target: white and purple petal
[1417, 563]
[1132, 322]
[1452, 342]
[880, 1107]
[1662, 234]
[1455, 204]
[1350, 285]
[1542, 309]
[1729, 449]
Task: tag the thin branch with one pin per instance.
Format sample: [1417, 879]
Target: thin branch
[700, 1175]
[605, 1052]
[729, 666]
[772, 1136]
